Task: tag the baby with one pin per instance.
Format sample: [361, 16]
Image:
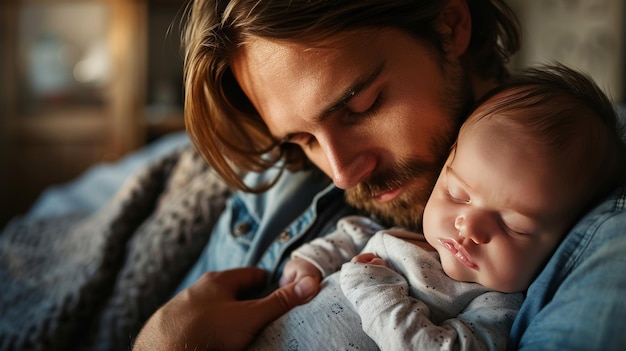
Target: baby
[528, 162]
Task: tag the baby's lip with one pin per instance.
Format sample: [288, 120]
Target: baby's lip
[459, 252]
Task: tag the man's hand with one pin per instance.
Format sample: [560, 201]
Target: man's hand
[207, 315]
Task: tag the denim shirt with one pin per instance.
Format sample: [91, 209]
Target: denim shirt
[262, 229]
[578, 302]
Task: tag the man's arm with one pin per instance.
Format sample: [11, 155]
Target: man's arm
[577, 302]
[208, 314]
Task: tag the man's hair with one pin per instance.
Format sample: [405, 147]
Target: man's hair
[222, 123]
[564, 110]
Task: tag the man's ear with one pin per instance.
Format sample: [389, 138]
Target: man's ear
[454, 24]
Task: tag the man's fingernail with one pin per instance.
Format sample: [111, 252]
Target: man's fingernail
[305, 288]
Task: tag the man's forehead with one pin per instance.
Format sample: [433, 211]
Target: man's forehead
[274, 71]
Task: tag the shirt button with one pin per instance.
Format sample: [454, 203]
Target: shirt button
[242, 228]
[284, 237]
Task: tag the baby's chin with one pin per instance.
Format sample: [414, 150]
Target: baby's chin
[455, 270]
[459, 273]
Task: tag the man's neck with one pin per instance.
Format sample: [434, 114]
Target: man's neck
[481, 86]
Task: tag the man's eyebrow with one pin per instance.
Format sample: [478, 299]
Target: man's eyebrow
[353, 90]
[359, 85]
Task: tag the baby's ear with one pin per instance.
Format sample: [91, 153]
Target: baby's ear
[454, 24]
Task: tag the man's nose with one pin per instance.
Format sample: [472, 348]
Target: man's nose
[349, 163]
[476, 225]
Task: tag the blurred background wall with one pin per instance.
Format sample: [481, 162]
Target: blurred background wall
[586, 34]
[83, 82]
[88, 81]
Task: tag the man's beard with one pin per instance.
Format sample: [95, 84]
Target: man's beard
[406, 210]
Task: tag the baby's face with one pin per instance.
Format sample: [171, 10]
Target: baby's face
[498, 209]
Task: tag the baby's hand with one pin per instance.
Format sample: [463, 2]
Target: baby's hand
[369, 258]
[298, 268]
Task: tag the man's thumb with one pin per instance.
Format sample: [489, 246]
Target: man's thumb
[294, 294]
[305, 289]
[283, 299]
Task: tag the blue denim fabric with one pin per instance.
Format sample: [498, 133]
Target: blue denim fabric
[261, 230]
[578, 302]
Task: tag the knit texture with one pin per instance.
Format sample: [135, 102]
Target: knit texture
[90, 282]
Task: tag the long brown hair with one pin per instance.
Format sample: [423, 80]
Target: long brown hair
[222, 123]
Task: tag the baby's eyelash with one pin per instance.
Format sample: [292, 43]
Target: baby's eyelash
[511, 231]
[454, 199]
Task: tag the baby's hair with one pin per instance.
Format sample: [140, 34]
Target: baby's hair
[223, 124]
[566, 111]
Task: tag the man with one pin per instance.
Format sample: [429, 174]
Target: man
[374, 104]
[370, 93]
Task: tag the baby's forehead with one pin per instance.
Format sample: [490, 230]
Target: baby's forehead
[490, 125]
[500, 138]
[566, 146]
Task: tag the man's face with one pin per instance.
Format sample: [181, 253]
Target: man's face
[375, 110]
[499, 208]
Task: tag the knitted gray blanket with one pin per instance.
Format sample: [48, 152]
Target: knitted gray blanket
[90, 282]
